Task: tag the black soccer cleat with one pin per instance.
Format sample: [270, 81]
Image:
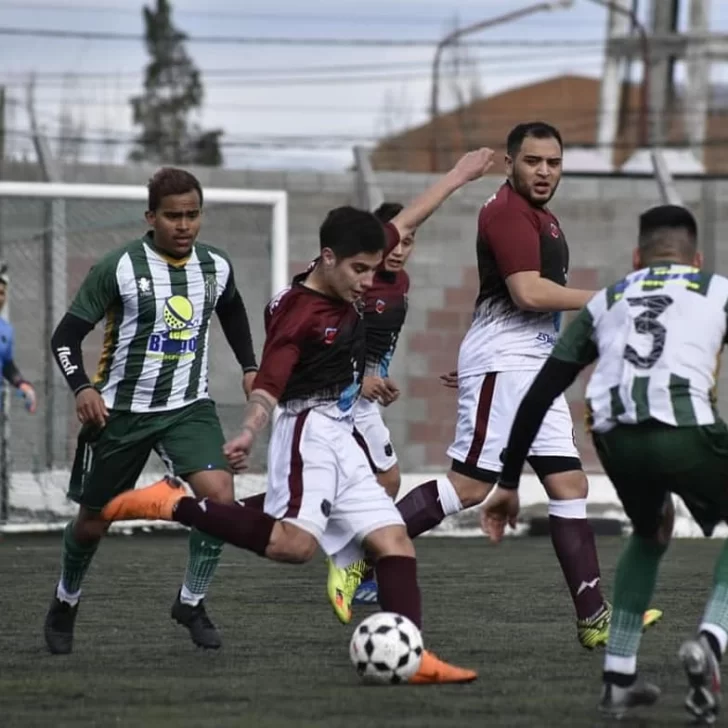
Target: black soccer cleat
[202, 631]
[58, 627]
[616, 701]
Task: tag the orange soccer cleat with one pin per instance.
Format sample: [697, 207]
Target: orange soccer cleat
[434, 671]
[154, 502]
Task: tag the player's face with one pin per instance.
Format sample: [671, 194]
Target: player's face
[397, 259]
[3, 295]
[350, 278]
[176, 223]
[535, 173]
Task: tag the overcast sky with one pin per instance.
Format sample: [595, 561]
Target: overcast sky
[284, 95]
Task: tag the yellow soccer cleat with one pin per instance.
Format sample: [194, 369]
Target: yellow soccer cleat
[594, 632]
[341, 586]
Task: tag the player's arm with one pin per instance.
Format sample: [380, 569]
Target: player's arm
[574, 351]
[12, 374]
[280, 354]
[471, 166]
[513, 238]
[235, 325]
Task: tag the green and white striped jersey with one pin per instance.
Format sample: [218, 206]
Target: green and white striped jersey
[657, 335]
[157, 313]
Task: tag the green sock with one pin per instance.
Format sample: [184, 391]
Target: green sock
[634, 584]
[715, 618]
[203, 559]
[75, 560]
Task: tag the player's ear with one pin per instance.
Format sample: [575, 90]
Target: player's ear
[509, 165]
[698, 259]
[328, 258]
[150, 217]
[636, 259]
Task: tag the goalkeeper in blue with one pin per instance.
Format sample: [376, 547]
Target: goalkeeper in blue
[10, 370]
[655, 337]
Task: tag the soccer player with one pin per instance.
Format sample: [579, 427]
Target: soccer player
[385, 309]
[321, 488]
[157, 294]
[655, 336]
[10, 369]
[523, 261]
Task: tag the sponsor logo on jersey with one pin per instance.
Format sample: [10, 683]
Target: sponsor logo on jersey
[179, 340]
[210, 288]
[543, 338]
[64, 359]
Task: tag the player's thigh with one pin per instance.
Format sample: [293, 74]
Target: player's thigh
[303, 470]
[109, 460]
[373, 436]
[362, 507]
[190, 445]
[486, 407]
[633, 465]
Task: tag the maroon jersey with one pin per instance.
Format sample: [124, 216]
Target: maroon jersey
[314, 348]
[385, 309]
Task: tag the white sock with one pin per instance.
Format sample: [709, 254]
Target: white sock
[573, 509]
[188, 597]
[622, 665]
[448, 497]
[68, 597]
[718, 632]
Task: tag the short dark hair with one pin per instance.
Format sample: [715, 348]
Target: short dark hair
[536, 129]
[171, 181]
[388, 211]
[667, 230]
[348, 231]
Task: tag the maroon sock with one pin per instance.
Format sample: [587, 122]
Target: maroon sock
[573, 541]
[245, 528]
[421, 509]
[398, 588]
[255, 502]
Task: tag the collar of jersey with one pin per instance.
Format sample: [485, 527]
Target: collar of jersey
[174, 262]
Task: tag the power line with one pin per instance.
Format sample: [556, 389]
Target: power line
[302, 41]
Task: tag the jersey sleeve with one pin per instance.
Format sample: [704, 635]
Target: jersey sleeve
[577, 345]
[513, 238]
[97, 292]
[285, 334]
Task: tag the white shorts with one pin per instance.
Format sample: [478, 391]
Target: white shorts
[373, 436]
[320, 480]
[487, 406]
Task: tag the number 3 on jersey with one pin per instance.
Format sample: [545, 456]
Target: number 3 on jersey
[646, 323]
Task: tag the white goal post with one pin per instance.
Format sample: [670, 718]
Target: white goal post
[50, 235]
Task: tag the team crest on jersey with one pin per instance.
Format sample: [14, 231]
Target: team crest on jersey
[179, 341]
[330, 335]
[145, 286]
[379, 306]
[555, 232]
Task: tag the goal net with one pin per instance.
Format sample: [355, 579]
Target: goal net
[50, 236]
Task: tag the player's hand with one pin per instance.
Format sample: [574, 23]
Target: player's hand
[28, 394]
[475, 164]
[238, 450]
[450, 379]
[372, 388]
[90, 407]
[500, 508]
[390, 393]
[248, 379]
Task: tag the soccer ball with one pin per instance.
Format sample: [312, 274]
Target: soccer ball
[386, 648]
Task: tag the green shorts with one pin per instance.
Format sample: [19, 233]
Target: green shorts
[646, 462]
[110, 460]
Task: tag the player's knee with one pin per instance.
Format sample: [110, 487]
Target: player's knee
[291, 544]
[570, 485]
[389, 541]
[470, 491]
[88, 526]
[390, 480]
[215, 485]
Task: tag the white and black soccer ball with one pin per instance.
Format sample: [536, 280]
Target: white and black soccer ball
[386, 648]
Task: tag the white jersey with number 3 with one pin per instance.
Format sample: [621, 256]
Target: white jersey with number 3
[658, 335]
